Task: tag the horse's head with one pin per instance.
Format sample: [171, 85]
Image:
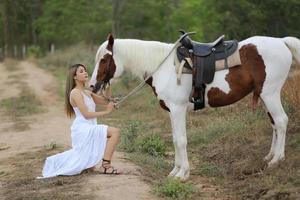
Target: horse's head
[105, 66]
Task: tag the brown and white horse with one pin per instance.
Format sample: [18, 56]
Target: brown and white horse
[265, 64]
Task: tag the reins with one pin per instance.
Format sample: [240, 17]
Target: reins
[141, 85]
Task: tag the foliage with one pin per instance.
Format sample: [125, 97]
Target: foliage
[129, 135]
[174, 189]
[31, 22]
[245, 18]
[152, 145]
[50, 146]
[34, 51]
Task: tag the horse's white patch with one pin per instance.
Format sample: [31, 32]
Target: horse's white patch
[218, 82]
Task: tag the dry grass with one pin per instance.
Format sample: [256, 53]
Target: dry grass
[19, 108]
[291, 92]
[18, 179]
[11, 64]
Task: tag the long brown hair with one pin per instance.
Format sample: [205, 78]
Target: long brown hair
[70, 84]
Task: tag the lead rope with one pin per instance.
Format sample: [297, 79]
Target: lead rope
[139, 87]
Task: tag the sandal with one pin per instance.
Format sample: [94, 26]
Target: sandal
[106, 165]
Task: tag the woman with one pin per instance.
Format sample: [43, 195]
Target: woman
[91, 142]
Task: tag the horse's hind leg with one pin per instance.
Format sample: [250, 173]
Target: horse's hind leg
[280, 120]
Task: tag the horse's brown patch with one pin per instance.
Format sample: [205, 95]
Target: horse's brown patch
[163, 105]
[242, 79]
[106, 68]
[149, 82]
[271, 118]
[161, 102]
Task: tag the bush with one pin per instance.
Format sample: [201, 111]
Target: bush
[129, 135]
[174, 189]
[152, 145]
[35, 51]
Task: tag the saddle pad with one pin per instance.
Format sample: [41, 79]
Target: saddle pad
[232, 61]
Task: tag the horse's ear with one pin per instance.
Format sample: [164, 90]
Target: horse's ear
[110, 39]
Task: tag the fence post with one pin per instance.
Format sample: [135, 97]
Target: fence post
[52, 48]
[15, 51]
[23, 51]
[1, 55]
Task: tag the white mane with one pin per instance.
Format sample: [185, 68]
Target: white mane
[138, 56]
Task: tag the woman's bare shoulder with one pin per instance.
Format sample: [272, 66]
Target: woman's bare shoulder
[75, 92]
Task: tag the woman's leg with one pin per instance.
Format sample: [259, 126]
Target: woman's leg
[113, 135]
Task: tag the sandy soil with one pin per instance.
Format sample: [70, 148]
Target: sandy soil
[53, 126]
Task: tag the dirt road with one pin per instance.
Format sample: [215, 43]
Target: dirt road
[23, 150]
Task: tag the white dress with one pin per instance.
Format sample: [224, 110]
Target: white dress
[88, 146]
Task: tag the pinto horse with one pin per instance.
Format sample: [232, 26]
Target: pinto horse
[265, 64]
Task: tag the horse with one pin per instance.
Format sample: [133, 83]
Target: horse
[265, 64]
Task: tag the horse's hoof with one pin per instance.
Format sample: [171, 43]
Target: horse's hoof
[173, 172]
[275, 161]
[268, 157]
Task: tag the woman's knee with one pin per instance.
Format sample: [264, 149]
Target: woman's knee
[114, 132]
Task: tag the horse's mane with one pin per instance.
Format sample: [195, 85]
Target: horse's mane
[138, 55]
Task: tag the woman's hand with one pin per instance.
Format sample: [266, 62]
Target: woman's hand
[110, 107]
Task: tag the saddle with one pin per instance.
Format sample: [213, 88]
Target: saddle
[201, 59]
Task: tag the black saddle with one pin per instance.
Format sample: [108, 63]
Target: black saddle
[204, 57]
[221, 48]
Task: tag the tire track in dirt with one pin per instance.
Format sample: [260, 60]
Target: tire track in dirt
[54, 126]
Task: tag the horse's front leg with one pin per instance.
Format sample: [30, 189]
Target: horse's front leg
[178, 121]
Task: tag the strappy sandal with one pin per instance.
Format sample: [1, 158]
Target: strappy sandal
[106, 168]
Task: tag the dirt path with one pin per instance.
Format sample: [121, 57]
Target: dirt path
[53, 126]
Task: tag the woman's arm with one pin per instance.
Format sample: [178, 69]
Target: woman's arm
[77, 97]
[99, 99]
[102, 100]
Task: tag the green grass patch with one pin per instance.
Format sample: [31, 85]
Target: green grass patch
[174, 189]
[51, 146]
[25, 104]
[129, 136]
[210, 170]
[152, 145]
[153, 166]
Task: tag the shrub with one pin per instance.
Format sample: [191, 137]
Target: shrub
[34, 51]
[129, 135]
[174, 189]
[152, 145]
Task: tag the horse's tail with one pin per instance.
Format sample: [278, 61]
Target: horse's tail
[294, 45]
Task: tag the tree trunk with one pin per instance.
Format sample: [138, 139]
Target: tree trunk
[5, 28]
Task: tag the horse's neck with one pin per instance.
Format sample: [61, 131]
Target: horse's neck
[141, 57]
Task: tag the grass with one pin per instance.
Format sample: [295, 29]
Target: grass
[25, 104]
[18, 179]
[11, 64]
[174, 189]
[17, 108]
